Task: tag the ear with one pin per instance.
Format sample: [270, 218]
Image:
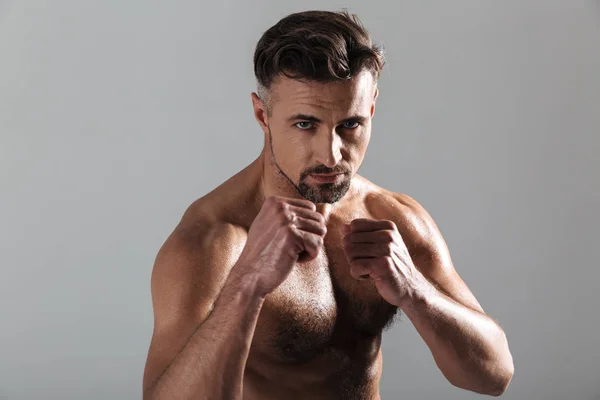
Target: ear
[374, 101]
[260, 112]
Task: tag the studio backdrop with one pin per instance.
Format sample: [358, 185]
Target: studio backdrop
[115, 116]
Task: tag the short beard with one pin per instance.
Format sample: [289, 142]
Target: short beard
[324, 192]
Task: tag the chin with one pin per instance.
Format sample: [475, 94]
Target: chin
[325, 193]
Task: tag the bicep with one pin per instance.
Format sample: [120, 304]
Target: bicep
[439, 270]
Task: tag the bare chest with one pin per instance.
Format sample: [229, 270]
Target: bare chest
[321, 311]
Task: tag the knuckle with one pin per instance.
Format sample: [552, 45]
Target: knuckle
[283, 211]
[310, 204]
[290, 231]
[387, 250]
[288, 216]
[388, 236]
[323, 230]
[282, 206]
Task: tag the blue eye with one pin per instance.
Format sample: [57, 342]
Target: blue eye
[305, 127]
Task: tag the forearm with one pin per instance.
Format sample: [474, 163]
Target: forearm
[470, 349]
[211, 365]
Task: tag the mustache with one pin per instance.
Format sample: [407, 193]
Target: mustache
[325, 170]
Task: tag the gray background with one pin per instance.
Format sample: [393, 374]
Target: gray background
[115, 116]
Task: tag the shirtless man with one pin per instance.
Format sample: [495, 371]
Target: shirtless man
[279, 283]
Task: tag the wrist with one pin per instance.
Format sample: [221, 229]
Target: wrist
[419, 298]
[241, 283]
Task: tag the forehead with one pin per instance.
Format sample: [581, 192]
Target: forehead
[353, 95]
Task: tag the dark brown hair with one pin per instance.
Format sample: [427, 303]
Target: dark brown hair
[320, 46]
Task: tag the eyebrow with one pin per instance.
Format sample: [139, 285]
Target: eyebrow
[312, 118]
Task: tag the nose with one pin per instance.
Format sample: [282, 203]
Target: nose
[328, 149]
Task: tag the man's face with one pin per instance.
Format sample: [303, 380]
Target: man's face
[320, 129]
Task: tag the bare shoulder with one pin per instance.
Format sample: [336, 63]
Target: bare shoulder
[410, 217]
[423, 239]
[418, 229]
[193, 263]
[198, 255]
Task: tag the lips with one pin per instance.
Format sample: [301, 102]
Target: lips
[330, 178]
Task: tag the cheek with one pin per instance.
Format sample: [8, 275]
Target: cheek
[299, 144]
[358, 146]
[291, 150]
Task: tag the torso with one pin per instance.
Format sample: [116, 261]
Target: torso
[321, 328]
[318, 334]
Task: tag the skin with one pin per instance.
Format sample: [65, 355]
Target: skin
[213, 332]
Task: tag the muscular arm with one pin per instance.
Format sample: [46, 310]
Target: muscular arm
[468, 346]
[197, 352]
[470, 349]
